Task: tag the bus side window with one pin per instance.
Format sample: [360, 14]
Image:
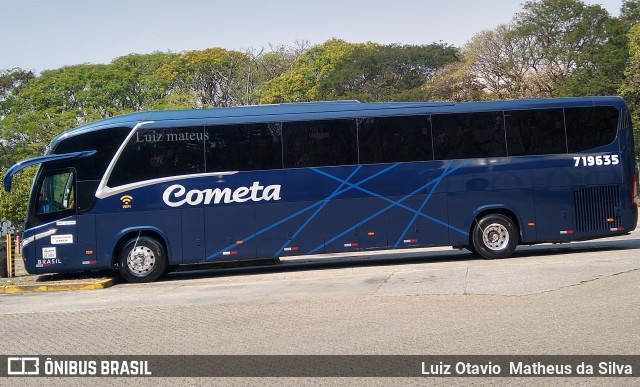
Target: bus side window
[320, 143]
[243, 147]
[591, 127]
[535, 132]
[468, 135]
[395, 139]
[154, 153]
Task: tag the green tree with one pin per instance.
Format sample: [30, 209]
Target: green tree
[35, 109]
[374, 72]
[454, 82]
[213, 77]
[630, 13]
[571, 48]
[12, 79]
[304, 81]
[137, 84]
[600, 68]
[278, 59]
[630, 89]
[60, 99]
[267, 65]
[13, 204]
[55, 101]
[495, 59]
[551, 48]
[10, 82]
[363, 71]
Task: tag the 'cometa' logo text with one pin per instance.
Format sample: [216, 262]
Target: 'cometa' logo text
[177, 195]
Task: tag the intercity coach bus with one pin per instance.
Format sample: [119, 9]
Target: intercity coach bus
[148, 191]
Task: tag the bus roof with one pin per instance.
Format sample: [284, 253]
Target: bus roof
[335, 109]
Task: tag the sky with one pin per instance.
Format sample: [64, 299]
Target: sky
[48, 34]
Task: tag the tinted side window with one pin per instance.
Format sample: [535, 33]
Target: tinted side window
[590, 127]
[535, 132]
[106, 142]
[393, 139]
[319, 143]
[459, 136]
[156, 153]
[243, 147]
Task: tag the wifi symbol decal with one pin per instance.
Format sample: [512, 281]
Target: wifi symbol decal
[126, 201]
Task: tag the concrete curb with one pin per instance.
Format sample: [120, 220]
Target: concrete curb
[57, 287]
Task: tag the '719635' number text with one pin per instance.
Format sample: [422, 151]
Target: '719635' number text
[590, 161]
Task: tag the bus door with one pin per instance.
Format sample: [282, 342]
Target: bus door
[55, 206]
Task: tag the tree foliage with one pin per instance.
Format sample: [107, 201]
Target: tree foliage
[559, 38]
[630, 89]
[362, 71]
[13, 204]
[550, 48]
[454, 82]
[11, 80]
[215, 77]
[304, 81]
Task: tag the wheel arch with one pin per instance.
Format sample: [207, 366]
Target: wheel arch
[120, 239]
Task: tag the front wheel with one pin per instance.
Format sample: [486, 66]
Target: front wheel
[142, 259]
[495, 236]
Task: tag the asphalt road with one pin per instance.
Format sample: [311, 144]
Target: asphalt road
[581, 298]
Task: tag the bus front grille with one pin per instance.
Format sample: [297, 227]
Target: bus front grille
[597, 208]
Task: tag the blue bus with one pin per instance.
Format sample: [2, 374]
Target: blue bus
[148, 191]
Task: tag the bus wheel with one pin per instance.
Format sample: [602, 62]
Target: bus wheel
[142, 259]
[495, 236]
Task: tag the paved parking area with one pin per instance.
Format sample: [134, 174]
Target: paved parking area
[581, 298]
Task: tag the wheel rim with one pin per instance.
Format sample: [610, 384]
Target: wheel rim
[140, 261]
[495, 236]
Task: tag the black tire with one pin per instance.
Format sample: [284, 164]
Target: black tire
[495, 236]
[142, 259]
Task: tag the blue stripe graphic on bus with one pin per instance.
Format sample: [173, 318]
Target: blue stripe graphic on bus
[357, 186]
[327, 199]
[324, 203]
[426, 200]
[393, 204]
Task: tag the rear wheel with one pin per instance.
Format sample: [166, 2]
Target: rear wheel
[495, 236]
[142, 259]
